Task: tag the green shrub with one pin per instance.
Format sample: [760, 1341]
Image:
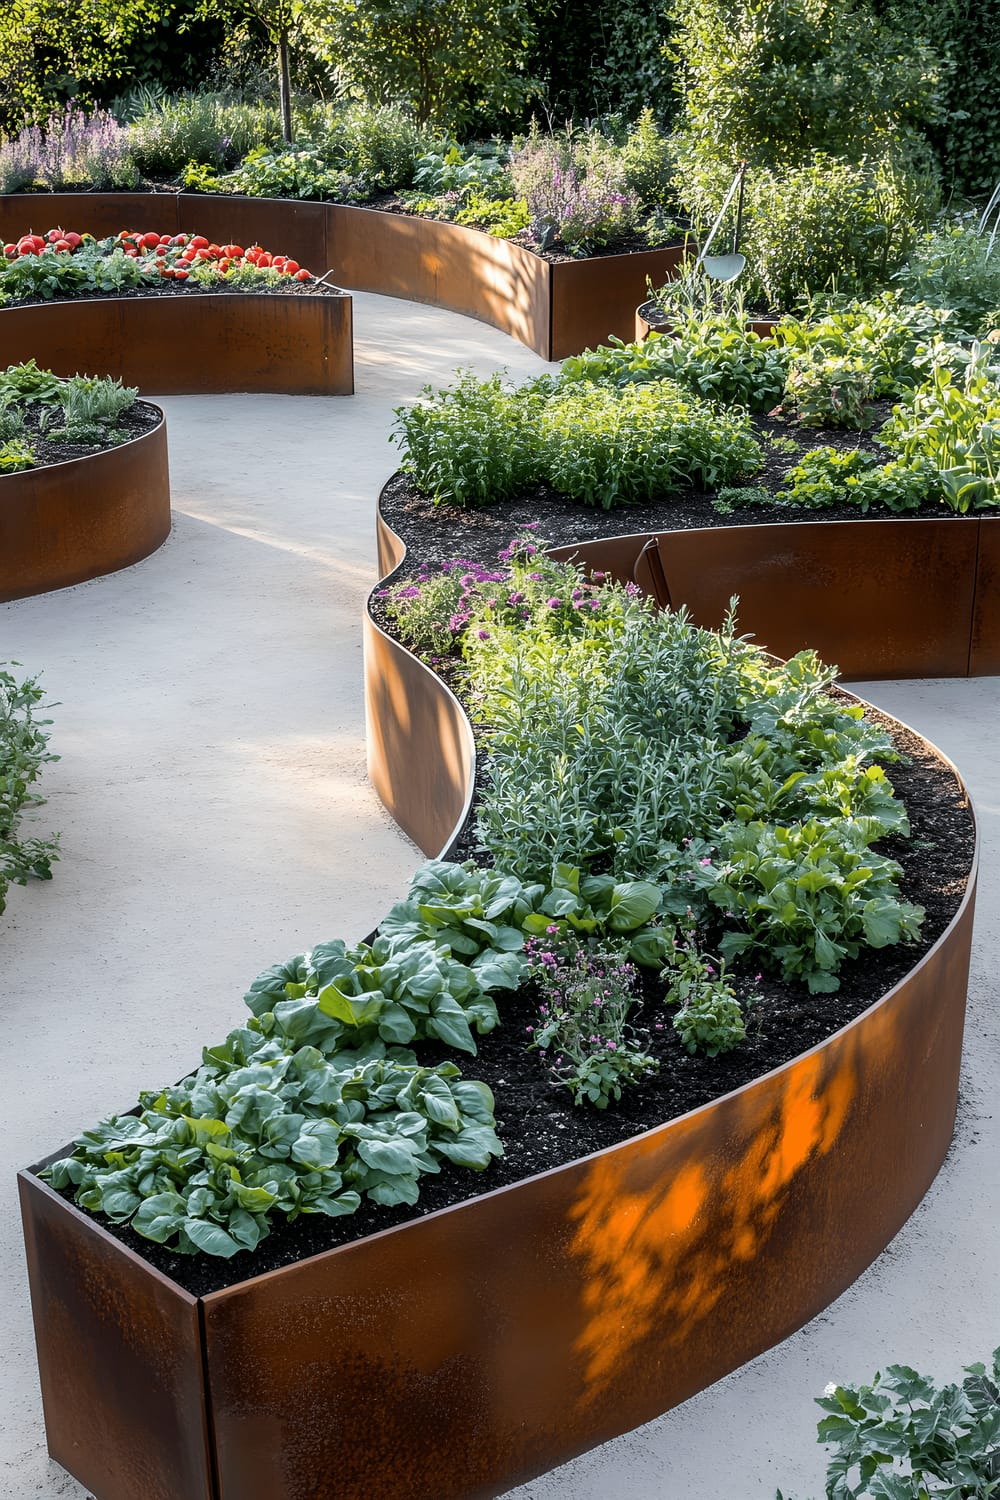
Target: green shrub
[202, 128]
[955, 268]
[379, 143]
[298, 171]
[828, 225]
[616, 447]
[648, 160]
[775, 81]
[903, 1437]
[23, 752]
[956, 426]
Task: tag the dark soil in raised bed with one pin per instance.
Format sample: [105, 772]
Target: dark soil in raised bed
[540, 1126]
[140, 418]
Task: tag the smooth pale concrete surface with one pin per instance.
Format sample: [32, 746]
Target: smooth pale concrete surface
[215, 818]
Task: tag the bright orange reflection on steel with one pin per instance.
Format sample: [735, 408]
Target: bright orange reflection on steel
[657, 1253]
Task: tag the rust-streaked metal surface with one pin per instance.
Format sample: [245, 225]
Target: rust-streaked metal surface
[391, 549]
[984, 651]
[119, 1356]
[421, 753]
[446, 265]
[99, 214]
[282, 225]
[617, 556]
[179, 345]
[880, 598]
[65, 523]
[597, 297]
[468, 1351]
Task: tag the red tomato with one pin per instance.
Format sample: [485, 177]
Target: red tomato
[165, 239]
[278, 262]
[166, 270]
[181, 275]
[303, 275]
[160, 250]
[263, 260]
[10, 251]
[224, 264]
[148, 241]
[179, 239]
[215, 250]
[291, 266]
[199, 242]
[62, 245]
[28, 250]
[236, 250]
[73, 239]
[203, 255]
[188, 255]
[53, 235]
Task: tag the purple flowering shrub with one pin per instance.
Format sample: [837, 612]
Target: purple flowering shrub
[586, 991]
[71, 149]
[461, 604]
[576, 191]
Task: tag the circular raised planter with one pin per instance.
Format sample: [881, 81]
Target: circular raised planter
[198, 344]
[555, 309]
[64, 523]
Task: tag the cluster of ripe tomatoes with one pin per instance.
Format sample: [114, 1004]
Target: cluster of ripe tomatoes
[174, 255]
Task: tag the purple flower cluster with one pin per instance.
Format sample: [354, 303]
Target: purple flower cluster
[72, 147]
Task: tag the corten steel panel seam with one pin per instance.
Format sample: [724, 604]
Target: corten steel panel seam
[883, 598]
[62, 524]
[119, 1355]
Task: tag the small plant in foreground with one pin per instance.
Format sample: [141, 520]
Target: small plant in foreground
[709, 1019]
[23, 752]
[586, 991]
[905, 1438]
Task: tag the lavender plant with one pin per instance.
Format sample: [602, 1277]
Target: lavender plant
[71, 149]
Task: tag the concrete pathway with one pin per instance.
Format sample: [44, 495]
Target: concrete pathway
[215, 817]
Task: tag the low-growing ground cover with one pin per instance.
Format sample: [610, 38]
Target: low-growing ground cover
[47, 419]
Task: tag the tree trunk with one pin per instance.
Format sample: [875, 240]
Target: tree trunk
[284, 87]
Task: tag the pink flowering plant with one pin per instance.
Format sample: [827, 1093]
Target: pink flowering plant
[462, 605]
[586, 990]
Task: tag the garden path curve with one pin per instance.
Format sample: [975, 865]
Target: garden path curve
[216, 817]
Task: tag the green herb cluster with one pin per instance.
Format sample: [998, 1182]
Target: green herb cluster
[23, 752]
[605, 445]
[90, 407]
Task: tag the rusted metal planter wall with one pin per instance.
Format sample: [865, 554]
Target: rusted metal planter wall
[892, 598]
[69, 522]
[204, 344]
[465, 1352]
[556, 310]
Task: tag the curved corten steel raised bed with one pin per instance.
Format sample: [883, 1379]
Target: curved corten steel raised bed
[462, 1353]
[68, 522]
[555, 309]
[183, 344]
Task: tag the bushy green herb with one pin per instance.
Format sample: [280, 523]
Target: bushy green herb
[828, 390]
[203, 128]
[23, 752]
[956, 426]
[299, 171]
[709, 1018]
[15, 456]
[475, 443]
[740, 497]
[714, 357]
[955, 268]
[503, 217]
[903, 1437]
